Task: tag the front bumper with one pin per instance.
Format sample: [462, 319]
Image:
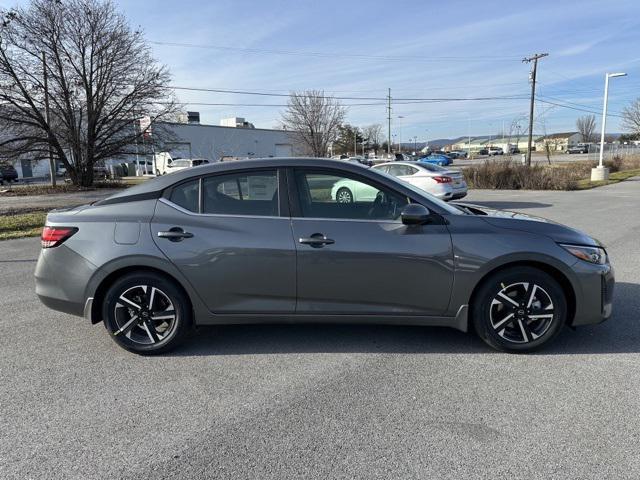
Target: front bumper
[594, 300]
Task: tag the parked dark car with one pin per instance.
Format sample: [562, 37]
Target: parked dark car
[264, 241]
[8, 173]
[457, 154]
[579, 148]
[483, 151]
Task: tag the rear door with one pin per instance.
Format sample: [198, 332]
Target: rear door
[230, 235]
[358, 258]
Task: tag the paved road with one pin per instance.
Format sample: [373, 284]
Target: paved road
[56, 200]
[277, 402]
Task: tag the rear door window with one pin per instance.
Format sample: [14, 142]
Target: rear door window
[254, 193]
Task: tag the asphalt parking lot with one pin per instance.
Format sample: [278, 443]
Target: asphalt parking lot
[320, 401]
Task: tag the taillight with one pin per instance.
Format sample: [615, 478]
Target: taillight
[54, 236]
[442, 179]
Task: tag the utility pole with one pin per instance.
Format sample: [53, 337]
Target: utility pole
[52, 166]
[534, 71]
[355, 141]
[389, 124]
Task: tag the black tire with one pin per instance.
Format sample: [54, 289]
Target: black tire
[167, 300]
[530, 326]
[344, 195]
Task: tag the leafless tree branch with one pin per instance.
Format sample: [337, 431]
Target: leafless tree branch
[315, 119]
[102, 79]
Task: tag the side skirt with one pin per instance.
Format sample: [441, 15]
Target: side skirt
[459, 322]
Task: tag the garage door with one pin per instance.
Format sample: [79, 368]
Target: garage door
[284, 150]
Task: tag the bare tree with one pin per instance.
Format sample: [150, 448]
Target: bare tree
[101, 80]
[315, 119]
[631, 117]
[374, 135]
[586, 126]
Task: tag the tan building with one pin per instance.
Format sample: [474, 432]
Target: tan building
[558, 142]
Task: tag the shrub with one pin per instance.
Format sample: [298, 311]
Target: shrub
[515, 176]
[510, 175]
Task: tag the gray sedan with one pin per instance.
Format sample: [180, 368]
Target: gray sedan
[265, 241]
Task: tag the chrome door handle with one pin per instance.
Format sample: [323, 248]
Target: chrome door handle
[317, 240]
[175, 234]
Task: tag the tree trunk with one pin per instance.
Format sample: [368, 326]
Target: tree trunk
[86, 179]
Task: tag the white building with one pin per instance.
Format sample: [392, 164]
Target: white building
[214, 142]
[190, 139]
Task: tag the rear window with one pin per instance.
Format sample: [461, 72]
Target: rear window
[186, 195]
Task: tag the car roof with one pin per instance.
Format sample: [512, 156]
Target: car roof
[165, 181]
[154, 187]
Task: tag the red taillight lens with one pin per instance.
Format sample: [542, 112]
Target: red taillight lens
[54, 236]
[442, 179]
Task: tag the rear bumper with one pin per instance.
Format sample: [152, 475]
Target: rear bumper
[61, 279]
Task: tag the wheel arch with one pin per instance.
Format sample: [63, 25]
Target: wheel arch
[106, 280]
[553, 271]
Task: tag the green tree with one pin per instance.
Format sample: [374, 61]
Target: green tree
[349, 141]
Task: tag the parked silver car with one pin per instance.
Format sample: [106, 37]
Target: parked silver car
[265, 241]
[441, 182]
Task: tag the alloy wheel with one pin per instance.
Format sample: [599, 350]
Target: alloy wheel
[344, 196]
[144, 314]
[521, 312]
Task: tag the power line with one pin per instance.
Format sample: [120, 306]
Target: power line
[340, 55]
[380, 99]
[578, 109]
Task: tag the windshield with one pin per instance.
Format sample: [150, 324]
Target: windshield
[444, 205]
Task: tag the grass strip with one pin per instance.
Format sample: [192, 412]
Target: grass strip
[21, 225]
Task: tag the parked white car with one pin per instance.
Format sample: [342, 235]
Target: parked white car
[441, 182]
[492, 151]
[182, 163]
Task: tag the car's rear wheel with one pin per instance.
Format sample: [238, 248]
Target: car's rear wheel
[344, 195]
[519, 309]
[146, 313]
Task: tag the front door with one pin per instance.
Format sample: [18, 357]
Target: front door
[356, 257]
[226, 235]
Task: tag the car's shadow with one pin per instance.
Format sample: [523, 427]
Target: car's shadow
[509, 205]
[620, 334]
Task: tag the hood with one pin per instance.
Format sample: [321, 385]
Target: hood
[531, 224]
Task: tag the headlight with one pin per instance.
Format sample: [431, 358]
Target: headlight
[595, 255]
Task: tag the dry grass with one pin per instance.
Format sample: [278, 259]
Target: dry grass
[26, 190]
[22, 225]
[565, 176]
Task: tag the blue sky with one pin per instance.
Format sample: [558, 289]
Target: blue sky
[419, 49]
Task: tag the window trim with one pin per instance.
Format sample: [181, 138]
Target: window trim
[283, 204]
[294, 194]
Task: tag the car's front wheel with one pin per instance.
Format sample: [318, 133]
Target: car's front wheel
[519, 309]
[146, 313]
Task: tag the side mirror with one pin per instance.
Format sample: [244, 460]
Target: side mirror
[415, 214]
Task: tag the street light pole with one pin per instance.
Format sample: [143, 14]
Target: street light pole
[600, 172]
